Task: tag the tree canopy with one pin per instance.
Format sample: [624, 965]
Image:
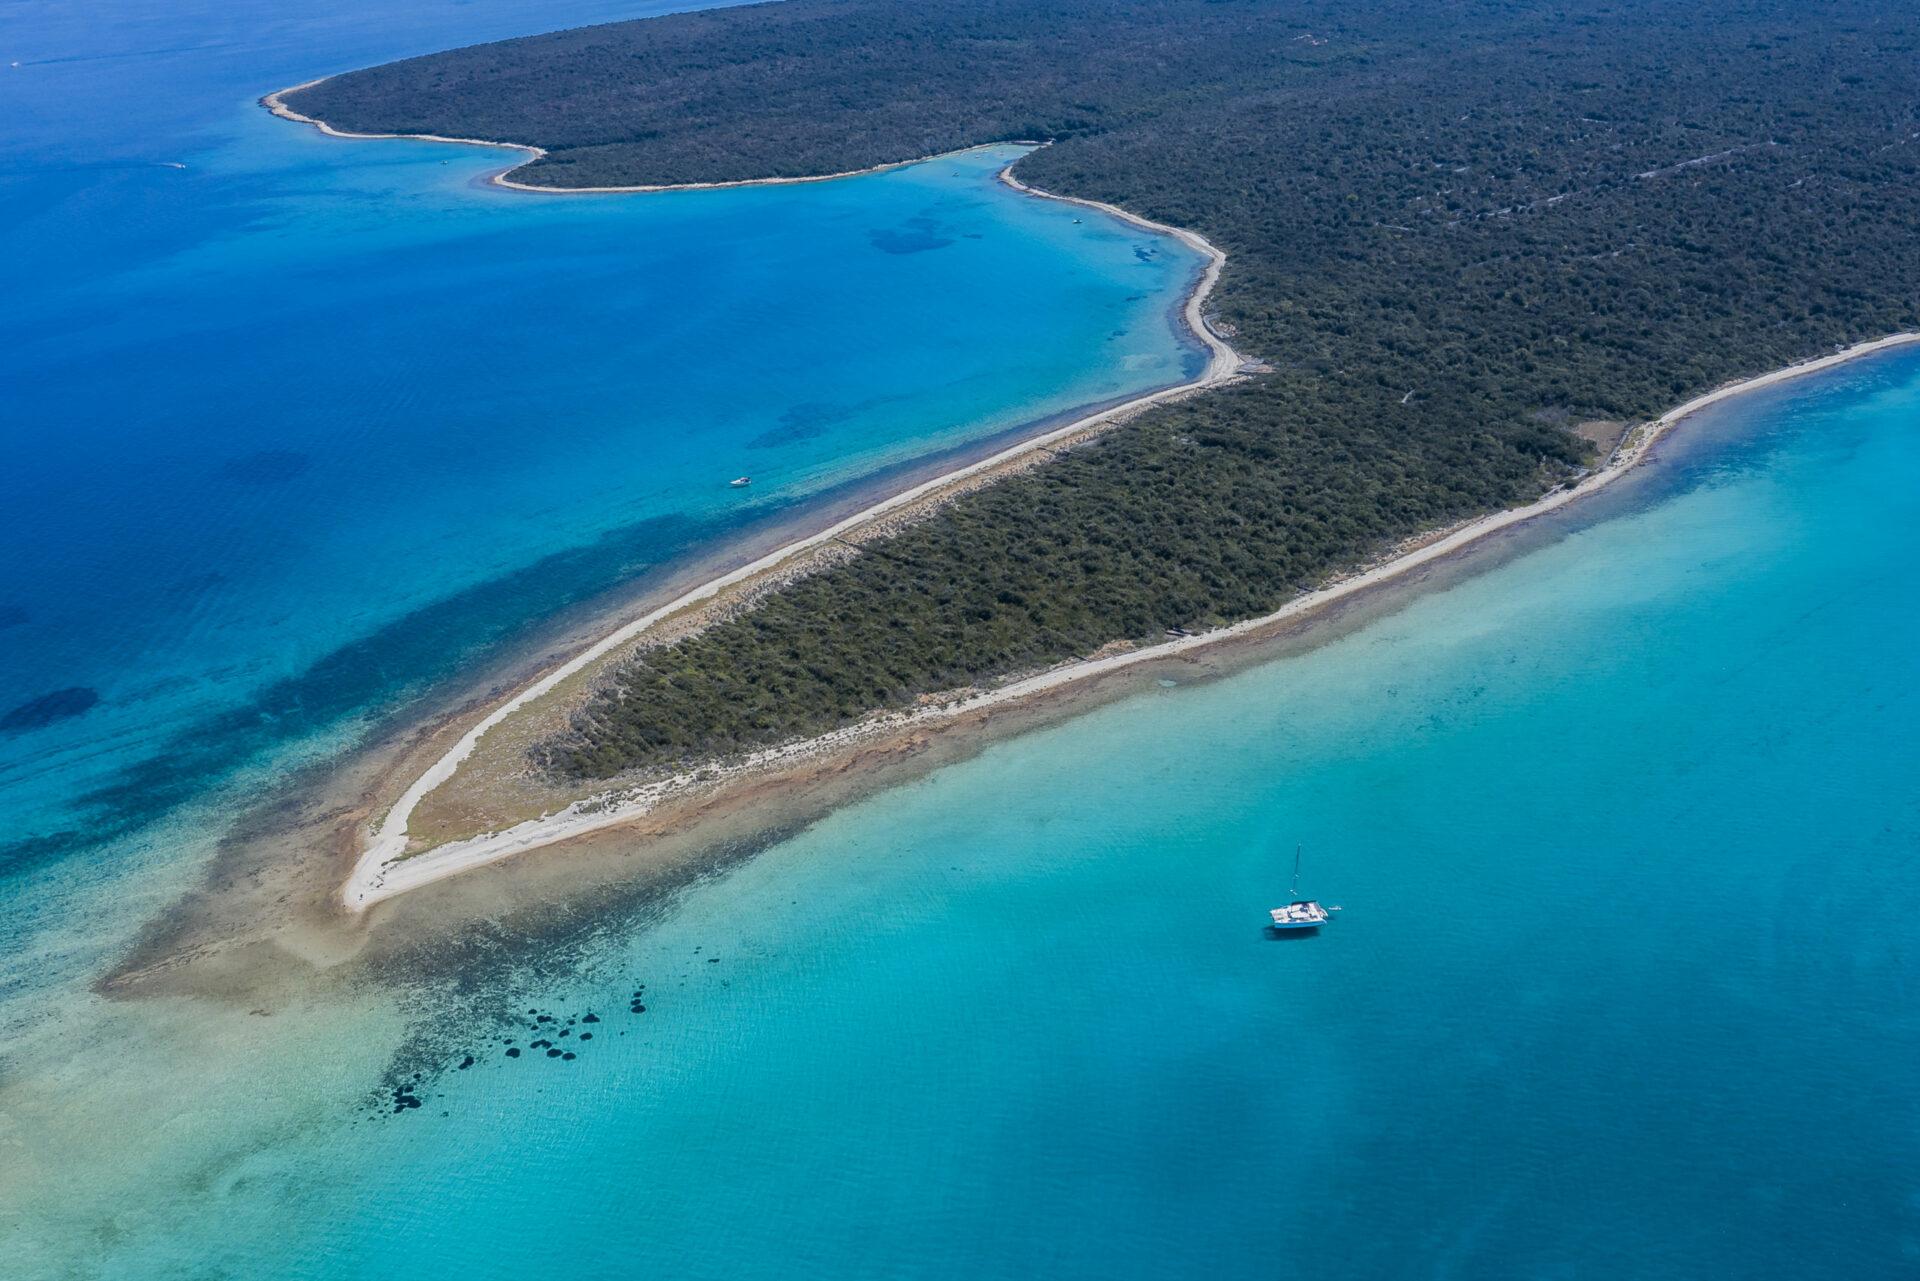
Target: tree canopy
[1453, 230]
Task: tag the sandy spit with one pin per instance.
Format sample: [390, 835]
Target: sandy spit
[375, 877]
[381, 872]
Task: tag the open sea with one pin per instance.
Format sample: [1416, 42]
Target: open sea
[1622, 811]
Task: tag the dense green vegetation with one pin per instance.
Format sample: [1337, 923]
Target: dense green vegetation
[1452, 229]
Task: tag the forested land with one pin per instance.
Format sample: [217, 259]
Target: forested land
[1453, 230]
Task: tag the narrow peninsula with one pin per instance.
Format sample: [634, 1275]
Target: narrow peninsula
[1476, 257]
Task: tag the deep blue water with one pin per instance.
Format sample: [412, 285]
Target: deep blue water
[296, 426]
[1625, 829]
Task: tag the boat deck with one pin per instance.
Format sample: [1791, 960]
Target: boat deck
[1299, 915]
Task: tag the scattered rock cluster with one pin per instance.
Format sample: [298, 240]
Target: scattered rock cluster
[550, 1035]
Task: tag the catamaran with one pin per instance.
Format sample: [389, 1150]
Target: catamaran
[1300, 914]
[740, 482]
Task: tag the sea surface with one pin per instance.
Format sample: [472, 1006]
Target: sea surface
[299, 427]
[1621, 813]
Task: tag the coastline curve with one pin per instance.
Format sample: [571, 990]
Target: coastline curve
[381, 870]
[276, 103]
[376, 878]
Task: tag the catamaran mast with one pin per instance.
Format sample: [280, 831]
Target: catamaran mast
[1296, 872]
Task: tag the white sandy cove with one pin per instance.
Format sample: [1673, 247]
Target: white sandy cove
[276, 103]
[376, 876]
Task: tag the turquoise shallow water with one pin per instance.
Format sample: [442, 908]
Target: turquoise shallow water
[1624, 826]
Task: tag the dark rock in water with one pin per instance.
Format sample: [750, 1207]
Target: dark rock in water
[800, 423]
[268, 467]
[713, 960]
[586, 1036]
[533, 1011]
[567, 1056]
[566, 1031]
[553, 1054]
[914, 236]
[541, 1045]
[60, 705]
[13, 616]
[591, 1018]
[544, 1018]
[514, 1053]
[639, 1009]
[466, 1063]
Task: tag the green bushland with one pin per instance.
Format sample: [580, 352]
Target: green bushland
[1525, 215]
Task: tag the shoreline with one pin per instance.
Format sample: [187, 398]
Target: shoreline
[372, 878]
[373, 882]
[383, 870]
[275, 102]
[272, 887]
